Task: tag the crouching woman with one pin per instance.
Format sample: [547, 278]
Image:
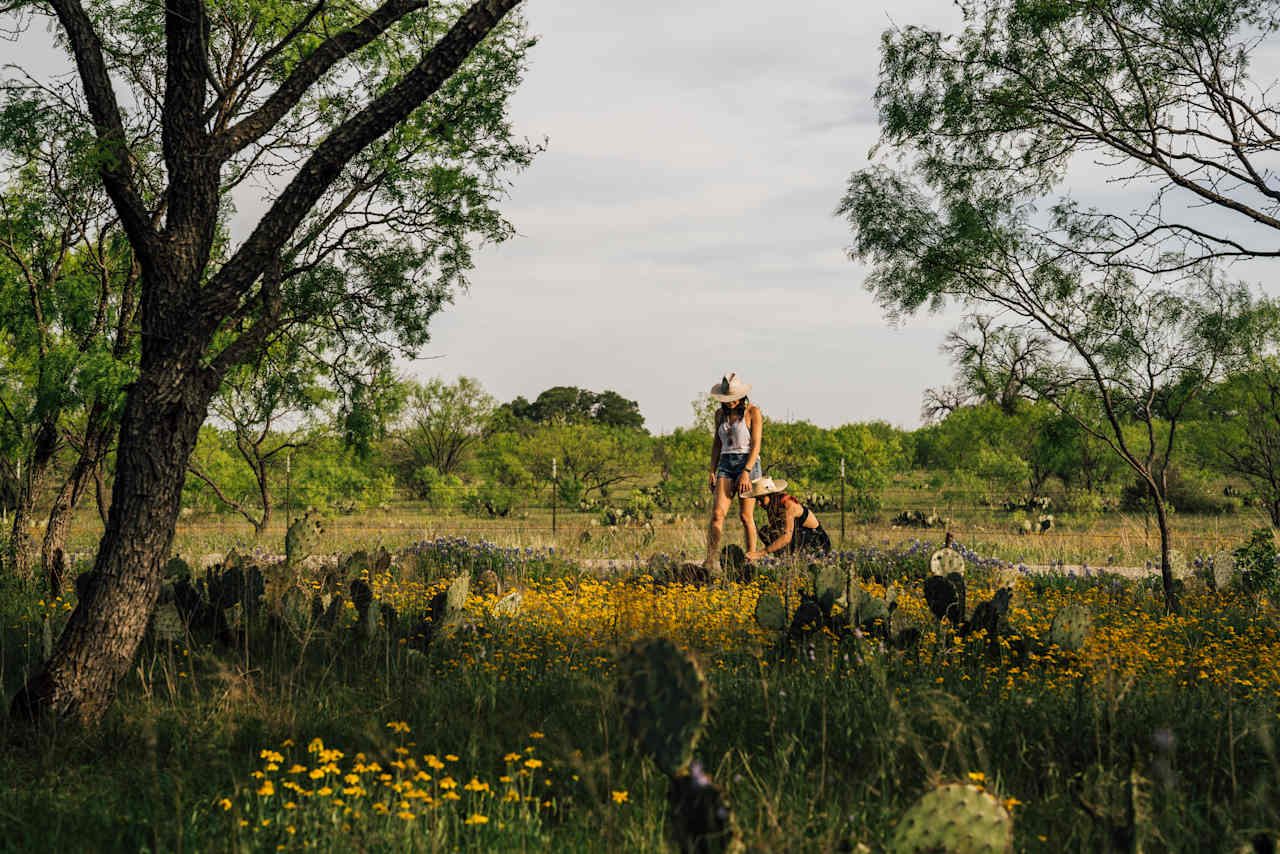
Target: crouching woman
[792, 527]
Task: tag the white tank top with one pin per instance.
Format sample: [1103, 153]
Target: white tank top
[735, 436]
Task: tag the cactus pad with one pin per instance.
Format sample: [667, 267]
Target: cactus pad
[167, 623]
[956, 818]
[699, 817]
[176, 568]
[1178, 566]
[945, 562]
[770, 613]
[509, 605]
[873, 608]
[300, 539]
[456, 599]
[943, 600]
[1225, 576]
[829, 580]
[1070, 627]
[665, 700]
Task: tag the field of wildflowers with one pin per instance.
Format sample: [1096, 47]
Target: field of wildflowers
[507, 733]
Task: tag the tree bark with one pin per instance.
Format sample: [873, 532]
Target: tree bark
[1166, 570]
[162, 417]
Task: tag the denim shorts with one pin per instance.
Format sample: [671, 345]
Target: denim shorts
[732, 465]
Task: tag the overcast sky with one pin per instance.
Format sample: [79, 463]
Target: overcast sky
[681, 223]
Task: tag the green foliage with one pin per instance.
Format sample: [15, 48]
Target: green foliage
[599, 457]
[440, 491]
[1258, 563]
[1240, 432]
[683, 457]
[442, 423]
[572, 405]
[494, 500]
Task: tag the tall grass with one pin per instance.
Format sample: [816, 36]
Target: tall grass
[821, 747]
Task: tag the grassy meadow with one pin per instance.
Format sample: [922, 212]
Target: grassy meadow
[510, 734]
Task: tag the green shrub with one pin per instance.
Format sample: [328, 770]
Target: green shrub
[1258, 562]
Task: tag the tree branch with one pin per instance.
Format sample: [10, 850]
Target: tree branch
[115, 164]
[307, 72]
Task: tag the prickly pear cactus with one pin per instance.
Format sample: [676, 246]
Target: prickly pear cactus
[1070, 628]
[1224, 574]
[354, 565]
[828, 580]
[296, 611]
[456, 598]
[1178, 565]
[167, 623]
[300, 539]
[957, 584]
[176, 568]
[770, 613]
[891, 595]
[904, 630]
[941, 596]
[700, 818]
[508, 605]
[956, 818]
[871, 609]
[665, 702]
[946, 561]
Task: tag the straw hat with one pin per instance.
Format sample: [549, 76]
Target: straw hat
[767, 486]
[729, 389]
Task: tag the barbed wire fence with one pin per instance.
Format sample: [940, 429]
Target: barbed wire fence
[967, 513]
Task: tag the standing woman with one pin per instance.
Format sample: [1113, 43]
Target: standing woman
[735, 462]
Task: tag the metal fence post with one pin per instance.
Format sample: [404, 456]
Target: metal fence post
[842, 502]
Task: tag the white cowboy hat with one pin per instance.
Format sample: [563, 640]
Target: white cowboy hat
[729, 389]
[766, 486]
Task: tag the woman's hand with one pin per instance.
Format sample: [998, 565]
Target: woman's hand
[744, 484]
[756, 555]
[712, 484]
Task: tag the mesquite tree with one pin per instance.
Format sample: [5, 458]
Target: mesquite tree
[376, 134]
[1122, 350]
[989, 122]
[68, 291]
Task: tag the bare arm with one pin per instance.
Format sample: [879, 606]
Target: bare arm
[756, 422]
[715, 450]
[783, 539]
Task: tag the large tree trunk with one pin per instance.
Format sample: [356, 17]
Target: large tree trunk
[162, 417]
[97, 439]
[22, 546]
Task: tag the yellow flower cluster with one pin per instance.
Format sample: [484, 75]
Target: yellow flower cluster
[312, 795]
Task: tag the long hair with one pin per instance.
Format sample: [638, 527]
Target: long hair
[725, 411]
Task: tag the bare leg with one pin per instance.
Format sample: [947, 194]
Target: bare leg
[747, 513]
[720, 501]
